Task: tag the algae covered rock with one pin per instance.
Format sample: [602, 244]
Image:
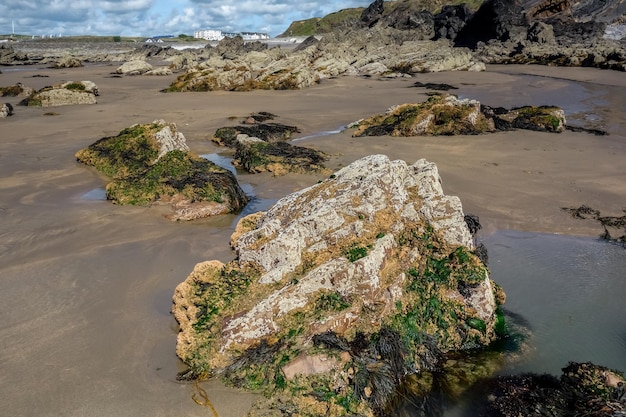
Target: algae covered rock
[67, 93]
[262, 147]
[341, 290]
[151, 163]
[445, 114]
[439, 115]
[583, 389]
[278, 158]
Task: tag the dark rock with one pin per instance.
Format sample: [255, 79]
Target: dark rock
[435, 86]
[267, 132]
[449, 22]
[308, 42]
[231, 48]
[278, 158]
[540, 32]
[583, 389]
[372, 13]
[495, 19]
[596, 132]
[409, 16]
[613, 226]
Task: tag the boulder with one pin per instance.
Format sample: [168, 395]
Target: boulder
[136, 67]
[17, 90]
[255, 155]
[151, 163]
[441, 114]
[68, 62]
[445, 114]
[6, 110]
[267, 132]
[340, 290]
[68, 93]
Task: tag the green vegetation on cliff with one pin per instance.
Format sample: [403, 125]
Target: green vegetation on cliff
[348, 18]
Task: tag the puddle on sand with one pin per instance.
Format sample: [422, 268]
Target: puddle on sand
[221, 161]
[320, 134]
[97, 194]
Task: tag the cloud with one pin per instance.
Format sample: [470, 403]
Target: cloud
[152, 17]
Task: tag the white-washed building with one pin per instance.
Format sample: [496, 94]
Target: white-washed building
[209, 34]
[218, 35]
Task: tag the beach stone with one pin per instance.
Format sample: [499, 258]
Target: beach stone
[68, 62]
[6, 110]
[351, 261]
[17, 90]
[151, 163]
[136, 67]
[68, 93]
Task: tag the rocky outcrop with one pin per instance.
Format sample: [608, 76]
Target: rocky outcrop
[68, 93]
[444, 114]
[346, 286]
[151, 163]
[374, 51]
[584, 389]
[8, 56]
[68, 62]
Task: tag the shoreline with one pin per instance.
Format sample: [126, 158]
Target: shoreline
[85, 283]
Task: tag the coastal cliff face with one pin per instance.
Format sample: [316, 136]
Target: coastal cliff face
[372, 268]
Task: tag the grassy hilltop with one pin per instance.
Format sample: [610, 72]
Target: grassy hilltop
[346, 18]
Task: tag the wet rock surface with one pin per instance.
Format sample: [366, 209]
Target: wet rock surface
[339, 291]
[262, 147]
[152, 164]
[583, 389]
[444, 114]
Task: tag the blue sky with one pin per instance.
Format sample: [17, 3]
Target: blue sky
[159, 17]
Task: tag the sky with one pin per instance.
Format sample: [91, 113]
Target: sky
[159, 17]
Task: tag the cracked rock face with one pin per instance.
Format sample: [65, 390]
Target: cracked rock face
[374, 257]
[347, 236]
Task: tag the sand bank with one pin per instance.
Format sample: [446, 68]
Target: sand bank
[85, 286]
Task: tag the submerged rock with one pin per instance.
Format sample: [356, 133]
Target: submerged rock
[339, 291]
[151, 163]
[68, 93]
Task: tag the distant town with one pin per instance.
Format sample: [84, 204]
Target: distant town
[218, 35]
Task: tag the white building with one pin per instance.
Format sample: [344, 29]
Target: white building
[209, 35]
[218, 35]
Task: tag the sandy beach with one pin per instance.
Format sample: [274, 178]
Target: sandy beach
[86, 286]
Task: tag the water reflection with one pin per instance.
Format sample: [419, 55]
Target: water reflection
[570, 289]
[96, 194]
[221, 161]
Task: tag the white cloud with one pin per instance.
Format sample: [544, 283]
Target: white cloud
[150, 17]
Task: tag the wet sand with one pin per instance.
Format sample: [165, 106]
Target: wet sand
[85, 286]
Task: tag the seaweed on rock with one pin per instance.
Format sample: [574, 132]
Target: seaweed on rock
[348, 291]
[151, 162]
